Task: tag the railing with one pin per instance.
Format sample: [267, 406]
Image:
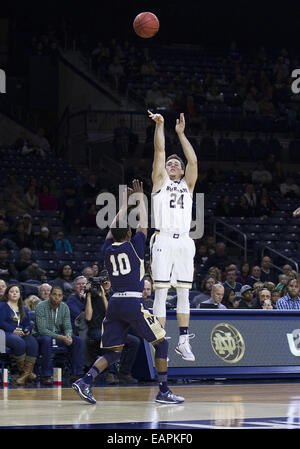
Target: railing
[291, 261]
[243, 247]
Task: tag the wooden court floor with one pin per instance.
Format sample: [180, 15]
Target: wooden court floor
[207, 406]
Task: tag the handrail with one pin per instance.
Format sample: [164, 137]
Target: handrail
[281, 255]
[244, 247]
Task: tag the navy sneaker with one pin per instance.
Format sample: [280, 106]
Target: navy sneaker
[168, 398]
[84, 391]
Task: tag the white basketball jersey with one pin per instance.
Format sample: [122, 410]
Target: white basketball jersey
[172, 207]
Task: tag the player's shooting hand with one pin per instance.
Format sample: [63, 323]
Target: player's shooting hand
[158, 118]
[296, 212]
[180, 124]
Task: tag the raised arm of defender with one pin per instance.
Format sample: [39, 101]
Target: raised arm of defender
[191, 171]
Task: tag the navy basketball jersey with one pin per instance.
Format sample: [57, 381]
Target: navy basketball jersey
[124, 262]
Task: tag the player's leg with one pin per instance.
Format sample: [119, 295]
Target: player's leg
[161, 267]
[183, 272]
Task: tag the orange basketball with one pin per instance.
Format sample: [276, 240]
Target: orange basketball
[146, 24]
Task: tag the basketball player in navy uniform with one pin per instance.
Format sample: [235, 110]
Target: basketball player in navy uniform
[172, 250]
[124, 260]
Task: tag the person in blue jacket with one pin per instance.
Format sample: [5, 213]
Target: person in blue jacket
[15, 321]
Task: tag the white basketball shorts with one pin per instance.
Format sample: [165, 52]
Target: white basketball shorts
[172, 260]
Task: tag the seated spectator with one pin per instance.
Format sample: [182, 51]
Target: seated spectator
[46, 328]
[291, 300]
[230, 280]
[201, 255]
[47, 200]
[30, 303]
[116, 71]
[215, 273]
[8, 270]
[3, 286]
[205, 293]
[260, 175]
[244, 276]
[15, 321]
[30, 198]
[224, 208]
[217, 293]
[12, 187]
[76, 302]
[71, 209]
[219, 259]
[15, 206]
[64, 280]
[147, 294]
[28, 228]
[283, 280]
[90, 217]
[21, 238]
[275, 295]
[96, 269]
[255, 275]
[44, 291]
[41, 143]
[27, 267]
[54, 189]
[251, 199]
[269, 285]
[247, 298]
[90, 189]
[262, 295]
[267, 273]
[230, 300]
[62, 243]
[45, 241]
[242, 209]
[289, 189]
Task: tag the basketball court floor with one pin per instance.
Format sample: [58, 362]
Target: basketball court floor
[208, 405]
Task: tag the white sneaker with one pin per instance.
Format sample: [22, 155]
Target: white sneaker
[184, 348]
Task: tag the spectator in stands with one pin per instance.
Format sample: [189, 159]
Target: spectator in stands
[275, 295]
[291, 300]
[45, 241]
[96, 269]
[283, 280]
[41, 142]
[266, 107]
[269, 285]
[64, 280]
[217, 293]
[255, 275]
[147, 68]
[47, 201]
[205, 292]
[44, 291]
[224, 208]
[260, 175]
[27, 266]
[251, 200]
[215, 272]
[250, 105]
[12, 187]
[244, 276]
[15, 206]
[30, 303]
[219, 259]
[55, 189]
[21, 238]
[247, 298]
[62, 243]
[267, 304]
[88, 272]
[28, 227]
[90, 189]
[3, 286]
[201, 255]
[147, 294]
[52, 321]
[116, 72]
[289, 189]
[286, 269]
[15, 322]
[71, 209]
[230, 280]
[151, 95]
[230, 300]
[242, 209]
[262, 295]
[267, 273]
[89, 219]
[163, 101]
[76, 302]
[30, 198]
[8, 269]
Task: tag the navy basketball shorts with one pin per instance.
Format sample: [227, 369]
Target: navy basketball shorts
[126, 312]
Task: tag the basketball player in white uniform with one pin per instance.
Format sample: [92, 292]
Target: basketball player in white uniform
[172, 250]
[296, 212]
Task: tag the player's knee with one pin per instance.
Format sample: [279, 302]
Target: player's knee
[113, 356]
[161, 349]
[159, 304]
[183, 303]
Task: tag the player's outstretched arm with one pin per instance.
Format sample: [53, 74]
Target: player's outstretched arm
[191, 171]
[159, 173]
[296, 212]
[122, 212]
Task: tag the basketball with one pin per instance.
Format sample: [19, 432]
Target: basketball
[146, 24]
